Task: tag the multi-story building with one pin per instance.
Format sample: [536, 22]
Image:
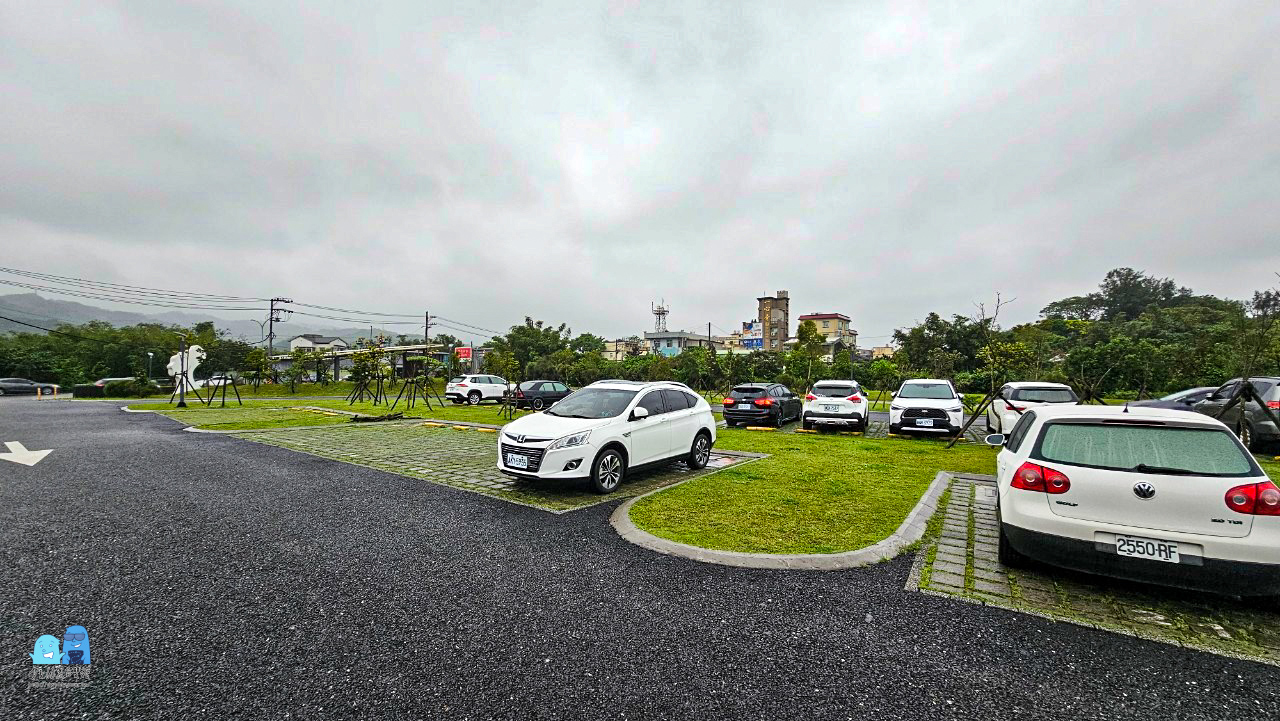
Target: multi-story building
[616, 350]
[775, 320]
[834, 327]
[882, 351]
[674, 342]
[316, 341]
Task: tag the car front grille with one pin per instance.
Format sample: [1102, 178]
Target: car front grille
[925, 413]
[533, 454]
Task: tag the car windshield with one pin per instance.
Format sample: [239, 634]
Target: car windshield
[1152, 449]
[934, 391]
[833, 391]
[528, 385]
[593, 403]
[747, 392]
[1045, 395]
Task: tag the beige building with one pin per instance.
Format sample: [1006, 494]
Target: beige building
[775, 320]
[616, 350]
[883, 351]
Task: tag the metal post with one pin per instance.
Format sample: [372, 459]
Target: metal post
[182, 368]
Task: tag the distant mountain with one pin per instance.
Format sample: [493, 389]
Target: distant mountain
[48, 312]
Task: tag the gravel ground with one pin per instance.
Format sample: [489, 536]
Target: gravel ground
[222, 578]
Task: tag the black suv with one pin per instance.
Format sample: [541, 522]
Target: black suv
[761, 403]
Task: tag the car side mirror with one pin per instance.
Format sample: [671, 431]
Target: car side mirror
[639, 413]
[893, 395]
[995, 439]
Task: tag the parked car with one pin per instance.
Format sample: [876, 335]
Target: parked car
[475, 388]
[929, 405]
[761, 404]
[22, 386]
[1248, 420]
[1021, 395]
[604, 431]
[1180, 401]
[1148, 494]
[841, 403]
[540, 394]
[102, 382]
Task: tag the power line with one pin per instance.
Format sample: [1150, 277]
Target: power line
[458, 322]
[57, 332]
[105, 287]
[365, 313]
[116, 299]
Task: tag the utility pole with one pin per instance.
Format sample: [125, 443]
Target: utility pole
[182, 368]
[426, 328]
[273, 317]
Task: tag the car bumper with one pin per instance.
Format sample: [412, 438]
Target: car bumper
[1200, 573]
[847, 419]
[735, 416]
[572, 462]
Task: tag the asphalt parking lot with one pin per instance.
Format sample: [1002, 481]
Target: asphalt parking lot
[220, 577]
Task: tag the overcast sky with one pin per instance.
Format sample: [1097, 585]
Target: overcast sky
[575, 161]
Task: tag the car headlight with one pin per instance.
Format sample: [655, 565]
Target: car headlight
[895, 408]
[576, 439]
[957, 409]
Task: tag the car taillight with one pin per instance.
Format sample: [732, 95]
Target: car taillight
[1274, 405]
[519, 394]
[763, 401]
[462, 385]
[811, 397]
[1010, 407]
[855, 398]
[1257, 499]
[1031, 477]
[728, 401]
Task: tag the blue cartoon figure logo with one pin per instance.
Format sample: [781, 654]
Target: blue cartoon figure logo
[75, 646]
[46, 651]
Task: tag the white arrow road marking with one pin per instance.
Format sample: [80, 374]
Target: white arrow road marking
[18, 453]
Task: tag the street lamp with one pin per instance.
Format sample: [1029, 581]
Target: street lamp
[149, 354]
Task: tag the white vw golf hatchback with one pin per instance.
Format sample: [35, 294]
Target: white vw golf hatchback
[607, 429]
[1148, 494]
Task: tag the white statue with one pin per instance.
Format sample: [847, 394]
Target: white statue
[195, 355]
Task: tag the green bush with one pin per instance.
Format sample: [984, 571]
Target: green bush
[127, 389]
[87, 390]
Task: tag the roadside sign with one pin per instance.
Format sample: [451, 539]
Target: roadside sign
[464, 353]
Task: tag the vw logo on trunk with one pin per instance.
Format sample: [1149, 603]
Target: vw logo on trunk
[1144, 490]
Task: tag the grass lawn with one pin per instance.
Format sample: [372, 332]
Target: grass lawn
[814, 494]
[263, 414]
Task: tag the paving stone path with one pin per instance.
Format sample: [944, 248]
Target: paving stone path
[464, 457]
[960, 560]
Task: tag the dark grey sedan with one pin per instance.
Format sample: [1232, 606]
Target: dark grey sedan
[1180, 401]
[22, 386]
[540, 394]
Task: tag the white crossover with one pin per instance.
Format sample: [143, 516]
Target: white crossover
[475, 388]
[1149, 494]
[926, 405]
[840, 403]
[608, 428]
[1021, 395]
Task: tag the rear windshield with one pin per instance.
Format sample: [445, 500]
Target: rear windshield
[834, 391]
[746, 393]
[1151, 449]
[459, 379]
[935, 391]
[528, 385]
[1045, 395]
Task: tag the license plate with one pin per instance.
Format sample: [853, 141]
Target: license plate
[1139, 547]
[515, 460]
[831, 409]
[925, 422]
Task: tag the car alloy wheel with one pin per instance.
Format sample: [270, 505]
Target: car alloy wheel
[1246, 435]
[537, 404]
[701, 452]
[608, 471]
[474, 398]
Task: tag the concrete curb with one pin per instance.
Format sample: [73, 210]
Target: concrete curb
[910, 531]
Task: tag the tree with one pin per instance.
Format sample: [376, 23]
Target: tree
[297, 370]
[587, 343]
[531, 340]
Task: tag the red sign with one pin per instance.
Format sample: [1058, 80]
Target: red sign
[464, 353]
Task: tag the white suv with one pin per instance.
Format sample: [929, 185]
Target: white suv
[842, 403]
[1021, 395]
[926, 404]
[475, 388]
[608, 428]
[1149, 494]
